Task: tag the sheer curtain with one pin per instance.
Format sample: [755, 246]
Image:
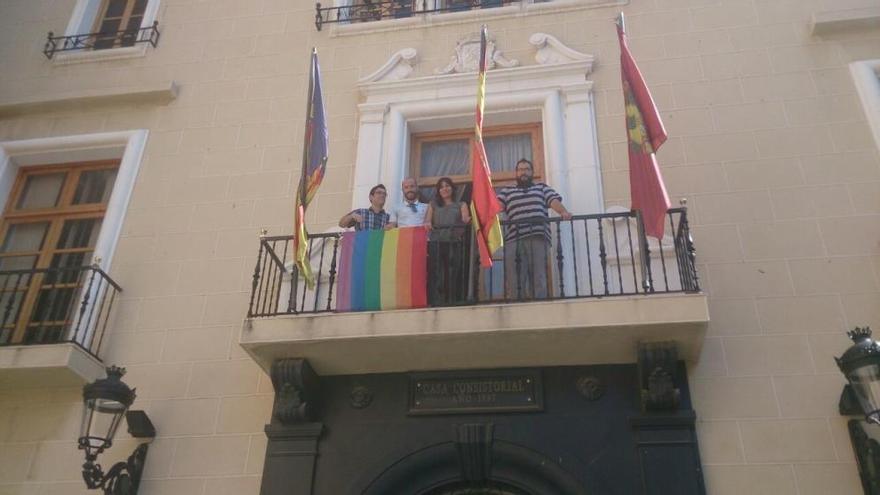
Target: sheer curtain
[504, 151]
[452, 157]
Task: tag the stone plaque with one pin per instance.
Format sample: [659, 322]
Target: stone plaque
[469, 392]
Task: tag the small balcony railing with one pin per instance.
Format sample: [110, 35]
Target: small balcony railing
[101, 40]
[56, 305]
[589, 256]
[374, 10]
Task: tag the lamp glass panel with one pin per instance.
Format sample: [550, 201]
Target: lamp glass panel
[104, 418]
[86, 423]
[865, 382]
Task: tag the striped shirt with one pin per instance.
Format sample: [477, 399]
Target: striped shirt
[372, 220]
[527, 203]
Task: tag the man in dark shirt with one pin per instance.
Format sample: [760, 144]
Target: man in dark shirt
[526, 244]
[372, 218]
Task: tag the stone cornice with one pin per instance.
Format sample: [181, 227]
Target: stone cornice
[158, 94]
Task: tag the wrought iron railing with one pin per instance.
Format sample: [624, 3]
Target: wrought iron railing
[101, 40]
[374, 10]
[56, 305]
[588, 256]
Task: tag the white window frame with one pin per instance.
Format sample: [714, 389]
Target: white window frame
[126, 146]
[82, 21]
[557, 94]
[866, 75]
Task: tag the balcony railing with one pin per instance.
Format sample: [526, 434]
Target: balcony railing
[374, 10]
[589, 256]
[101, 40]
[56, 305]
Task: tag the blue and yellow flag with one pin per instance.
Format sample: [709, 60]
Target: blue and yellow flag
[314, 165]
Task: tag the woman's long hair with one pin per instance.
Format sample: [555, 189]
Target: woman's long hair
[439, 200]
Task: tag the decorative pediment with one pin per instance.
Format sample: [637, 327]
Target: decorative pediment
[398, 67]
[552, 51]
[467, 56]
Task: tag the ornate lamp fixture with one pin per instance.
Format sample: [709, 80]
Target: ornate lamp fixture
[860, 364]
[105, 401]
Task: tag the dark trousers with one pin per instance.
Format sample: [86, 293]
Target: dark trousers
[447, 273]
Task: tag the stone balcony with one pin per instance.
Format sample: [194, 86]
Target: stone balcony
[610, 288]
[52, 324]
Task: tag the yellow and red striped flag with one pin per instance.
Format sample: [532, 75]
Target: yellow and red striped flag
[484, 205]
[645, 135]
[314, 165]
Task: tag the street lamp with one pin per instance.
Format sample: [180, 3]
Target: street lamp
[105, 402]
[860, 364]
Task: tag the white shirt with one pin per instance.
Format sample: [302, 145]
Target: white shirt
[404, 216]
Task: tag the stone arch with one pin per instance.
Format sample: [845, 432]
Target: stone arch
[521, 469]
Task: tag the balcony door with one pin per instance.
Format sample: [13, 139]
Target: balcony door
[49, 229]
[448, 153]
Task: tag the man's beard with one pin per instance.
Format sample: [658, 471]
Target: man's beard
[524, 181]
[411, 196]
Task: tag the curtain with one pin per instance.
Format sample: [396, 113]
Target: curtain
[504, 151]
[440, 158]
[452, 157]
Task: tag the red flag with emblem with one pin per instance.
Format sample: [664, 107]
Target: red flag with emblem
[645, 135]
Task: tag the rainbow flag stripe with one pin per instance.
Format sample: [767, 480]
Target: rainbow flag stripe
[382, 269]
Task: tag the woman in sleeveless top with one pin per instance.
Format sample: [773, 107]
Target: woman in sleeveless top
[447, 251]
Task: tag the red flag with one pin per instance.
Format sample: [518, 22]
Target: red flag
[484, 203]
[645, 135]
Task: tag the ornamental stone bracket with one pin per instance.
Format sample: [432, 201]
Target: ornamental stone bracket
[398, 67]
[296, 391]
[467, 56]
[658, 370]
[553, 51]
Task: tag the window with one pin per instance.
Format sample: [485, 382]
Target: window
[49, 230]
[448, 153]
[106, 29]
[118, 23]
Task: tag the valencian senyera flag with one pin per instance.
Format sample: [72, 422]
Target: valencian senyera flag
[382, 269]
[313, 166]
[645, 135]
[484, 205]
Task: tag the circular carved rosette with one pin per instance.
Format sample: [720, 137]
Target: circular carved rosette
[361, 397]
[590, 387]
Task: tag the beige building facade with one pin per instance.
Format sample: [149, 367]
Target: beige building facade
[773, 114]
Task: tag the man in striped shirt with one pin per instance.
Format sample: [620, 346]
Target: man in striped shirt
[527, 234]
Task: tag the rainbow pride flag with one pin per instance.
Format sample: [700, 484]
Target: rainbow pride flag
[383, 269]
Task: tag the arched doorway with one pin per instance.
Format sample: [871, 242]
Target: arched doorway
[470, 488]
[438, 470]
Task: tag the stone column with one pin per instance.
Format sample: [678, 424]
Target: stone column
[294, 434]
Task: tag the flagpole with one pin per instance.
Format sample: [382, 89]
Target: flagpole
[302, 180]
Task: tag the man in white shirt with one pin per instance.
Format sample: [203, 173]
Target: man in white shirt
[411, 213]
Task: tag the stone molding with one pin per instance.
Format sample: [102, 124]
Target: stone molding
[467, 56]
[398, 67]
[553, 51]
